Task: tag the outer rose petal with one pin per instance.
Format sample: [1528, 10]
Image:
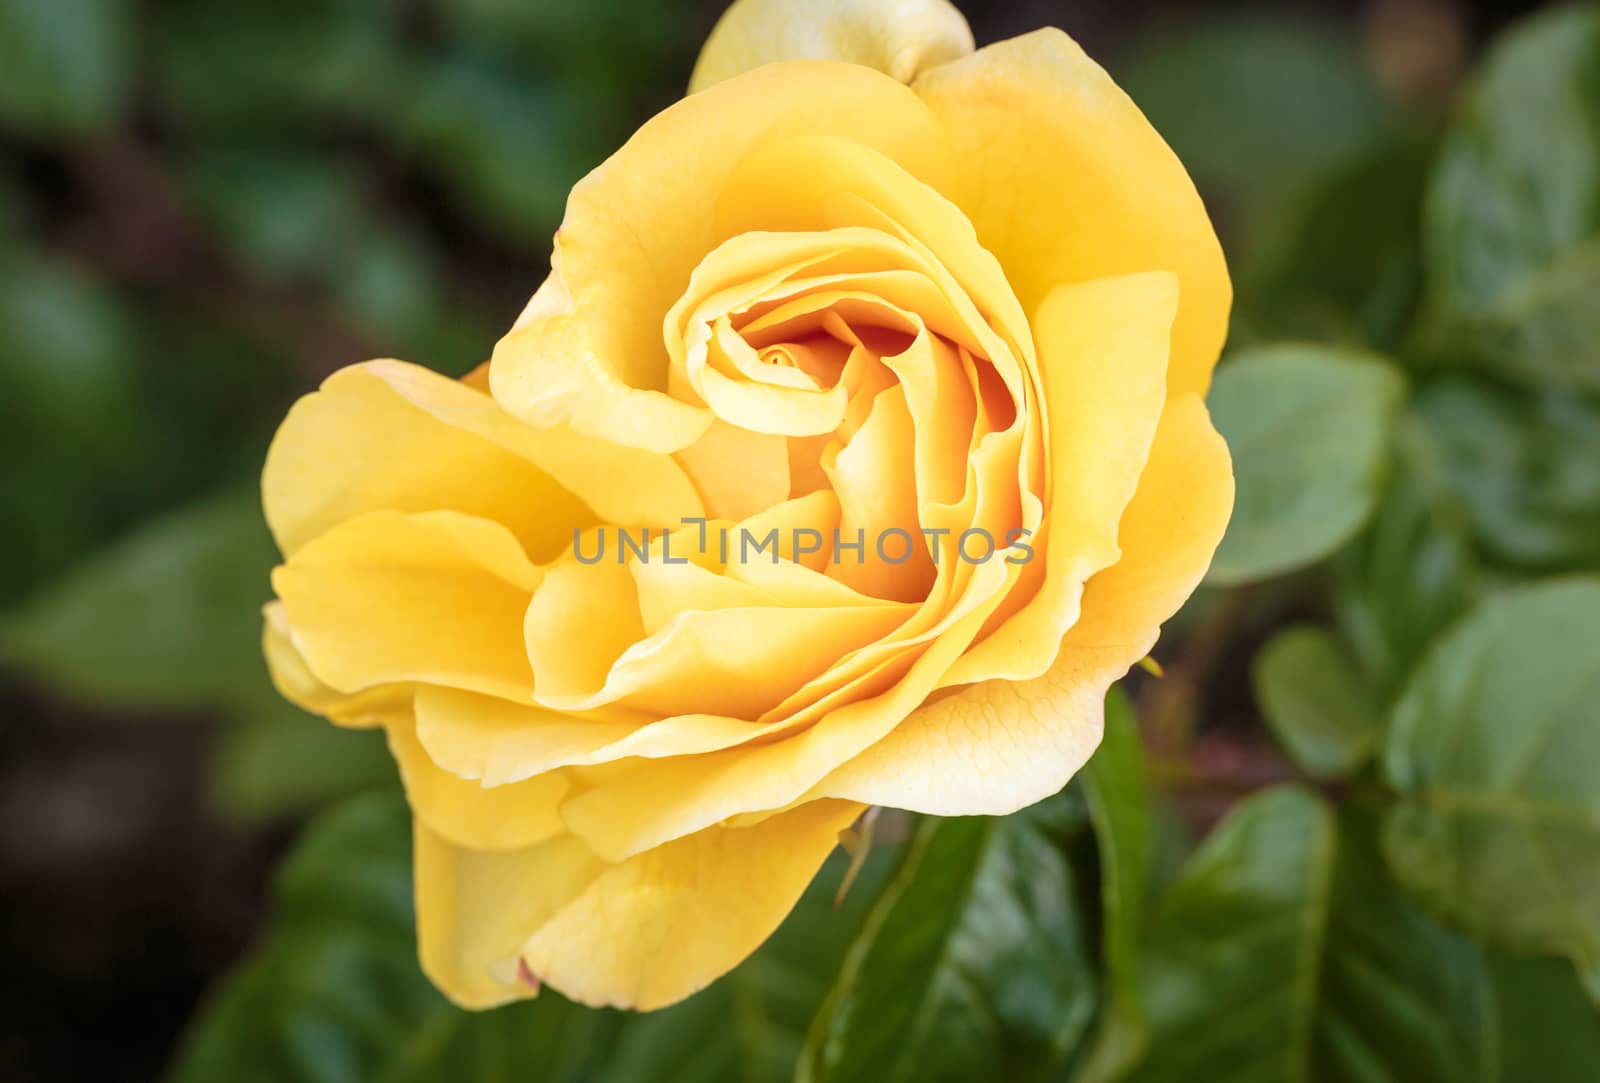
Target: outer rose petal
[502, 818]
[589, 349]
[387, 598]
[476, 908]
[642, 934]
[1067, 181]
[387, 435]
[296, 683]
[999, 746]
[897, 37]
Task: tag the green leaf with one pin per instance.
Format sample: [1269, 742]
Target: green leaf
[978, 960]
[1548, 1029]
[1413, 571]
[1512, 238]
[169, 618]
[1495, 749]
[1118, 797]
[1282, 953]
[64, 64]
[334, 994]
[1523, 465]
[1316, 703]
[1309, 430]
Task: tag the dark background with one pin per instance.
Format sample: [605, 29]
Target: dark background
[208, 205]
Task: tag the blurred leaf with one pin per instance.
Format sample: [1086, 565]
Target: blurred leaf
[13, 204]
[69, 420]
[67, 338]
[1512, 238]
[1282, 953]
[334, 995]
[1316, 703]
[275, 761]
[751, 1024]
[1309, 431]
[513, 165]
[1495, 748]
[238, 65]
[64, 64]
[216, 383]
[1118, 797]
[389, 287]
[283, 212]
[1524, 466]
[1342, 263]
[167, 618]
[601, 48]
[1549, 1031]
[978, 960]
[1284, 98]
[1413, 571]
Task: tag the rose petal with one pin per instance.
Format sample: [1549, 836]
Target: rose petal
[434, 597]
[897, 37]
[465, 813]
[589, 350]
[666, 923]
[1066, 181]
[296, 683]
[1103, 349]
[387, 435]
[476, 909]
[998, 746]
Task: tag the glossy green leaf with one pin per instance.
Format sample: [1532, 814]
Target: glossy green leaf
[979, 959]
[1282, 954]
[1512, 236]
[1523, 465]
[168, 618]
[64, 64]
[1118, 797]
[1316, 702]
[1309, 431]
[1413, 571]
[1495, 749]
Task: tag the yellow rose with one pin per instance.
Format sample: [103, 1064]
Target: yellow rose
[864, 286]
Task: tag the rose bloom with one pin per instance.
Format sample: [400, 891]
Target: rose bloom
[863, 279]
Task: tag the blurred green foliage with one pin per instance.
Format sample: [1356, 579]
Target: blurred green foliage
[207, 205]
